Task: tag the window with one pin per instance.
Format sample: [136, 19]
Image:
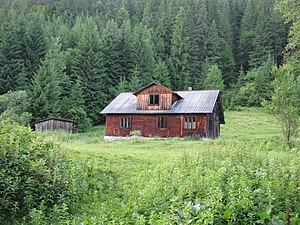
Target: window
[124, 122]
[154, 100]
[162, 122]
[189, 122]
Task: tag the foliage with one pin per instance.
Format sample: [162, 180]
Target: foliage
[179, 52]
[15, 106]
[161, 74]
[137, 41]
[290, 10]
[12, 62]
[79, 116]
[213, 78]
[34, 172]
[255, 85]
[285, 103]
[48, 82]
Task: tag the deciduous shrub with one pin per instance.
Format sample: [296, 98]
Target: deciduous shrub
[33, 172]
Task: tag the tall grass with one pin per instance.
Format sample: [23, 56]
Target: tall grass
[246, 177]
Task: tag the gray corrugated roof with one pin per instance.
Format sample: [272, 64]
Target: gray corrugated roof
[192, 102]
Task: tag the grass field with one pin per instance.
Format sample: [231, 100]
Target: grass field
[247, 176]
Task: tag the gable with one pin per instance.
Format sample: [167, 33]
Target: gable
[156, 88]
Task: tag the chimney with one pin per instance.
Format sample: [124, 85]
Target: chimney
[190, 88]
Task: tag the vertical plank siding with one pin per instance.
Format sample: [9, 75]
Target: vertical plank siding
[53, 124]
[166, 98]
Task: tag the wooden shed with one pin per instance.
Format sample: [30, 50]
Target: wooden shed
[52, 124]
[155, 110]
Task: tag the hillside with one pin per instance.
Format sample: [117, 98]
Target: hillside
[245, 177]
[73, 57]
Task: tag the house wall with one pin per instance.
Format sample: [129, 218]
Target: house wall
[213, 124]
[166, 98]
[147, 125]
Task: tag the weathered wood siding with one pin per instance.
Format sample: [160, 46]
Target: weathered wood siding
[213, 124]
[166, 98]
[50, 125]
[147, 125]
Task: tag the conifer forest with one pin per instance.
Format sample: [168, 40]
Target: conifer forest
[67, 59]
[72, 57]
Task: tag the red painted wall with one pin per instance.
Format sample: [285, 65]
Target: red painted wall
[147, 125]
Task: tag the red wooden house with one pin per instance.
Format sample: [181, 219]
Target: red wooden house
[155, 110]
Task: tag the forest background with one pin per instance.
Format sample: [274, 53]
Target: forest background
[69, 59]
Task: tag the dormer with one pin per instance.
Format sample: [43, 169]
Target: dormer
[155, 96]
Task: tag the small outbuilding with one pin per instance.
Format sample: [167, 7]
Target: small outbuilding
[155, 110]
[52, 124]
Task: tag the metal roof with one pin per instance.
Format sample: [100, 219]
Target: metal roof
[191, 102]
[52, 118]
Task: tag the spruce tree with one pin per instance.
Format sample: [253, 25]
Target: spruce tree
[88, 66]
[116, 48]
[35, 42]
[247, 34]
[213, 49]
[142, 55]
[198, 34]
[227, 64]
[76, 106]
[263, 39]
[213, 78]
[161, 74]
[12, 64]
[47, 84]
[180, 52]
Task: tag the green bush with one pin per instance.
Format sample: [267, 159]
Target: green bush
[33, 172]
[15, 106]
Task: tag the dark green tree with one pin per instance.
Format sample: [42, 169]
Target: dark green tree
[116, 48]
[198, 33]
[180, 52]
[47, 84]
[75, 108]
[35, 44]
[12, 64]
[142, 55]
[213, 78]
[88, 66]
[256, 85]
[247, 34]
[213, 48]
[161, 74]
[263, 39]
[227, 64]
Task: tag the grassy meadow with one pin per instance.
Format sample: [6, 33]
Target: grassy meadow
[247, 176]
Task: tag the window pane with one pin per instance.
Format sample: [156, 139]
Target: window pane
[158, 122]
[189, 123]
[156, 100]
[153, 99]
[193, 123]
